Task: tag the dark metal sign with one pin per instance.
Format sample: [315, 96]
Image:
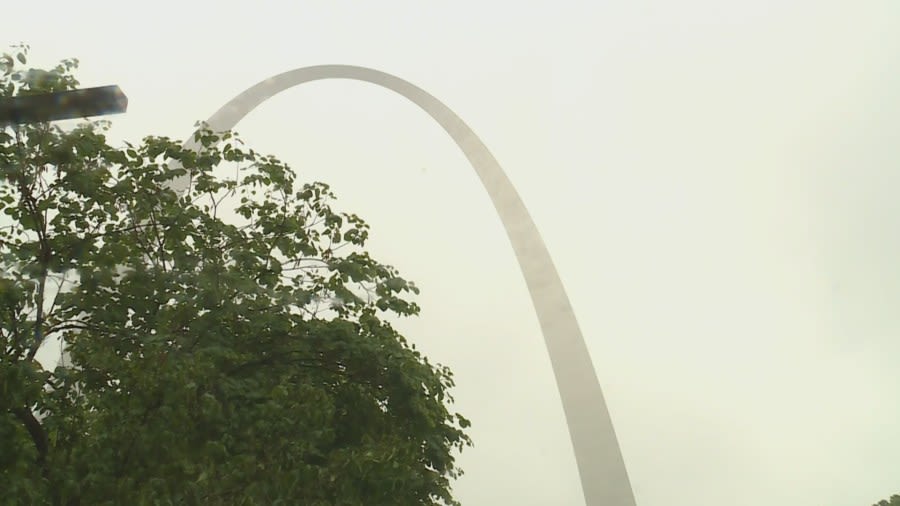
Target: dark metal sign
[44, 107]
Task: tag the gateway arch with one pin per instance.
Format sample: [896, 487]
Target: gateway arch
[604, 479]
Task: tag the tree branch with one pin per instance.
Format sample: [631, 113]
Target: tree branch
[38, 436]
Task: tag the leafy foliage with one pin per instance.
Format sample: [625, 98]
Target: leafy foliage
[894, 501]
[210, 360]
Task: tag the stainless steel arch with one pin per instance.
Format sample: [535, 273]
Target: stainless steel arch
[604, 478]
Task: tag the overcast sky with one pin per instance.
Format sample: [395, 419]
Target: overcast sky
[716, 181]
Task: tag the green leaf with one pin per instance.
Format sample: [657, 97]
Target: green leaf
[197, 337]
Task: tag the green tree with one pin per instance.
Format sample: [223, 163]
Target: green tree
[211, 361]
[894, 501]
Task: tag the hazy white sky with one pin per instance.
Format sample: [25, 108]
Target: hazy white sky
[715, 180]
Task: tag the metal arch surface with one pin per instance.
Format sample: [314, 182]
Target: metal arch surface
[604, 479]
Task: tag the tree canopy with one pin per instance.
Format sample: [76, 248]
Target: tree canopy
[227, 344]
[893, 501]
